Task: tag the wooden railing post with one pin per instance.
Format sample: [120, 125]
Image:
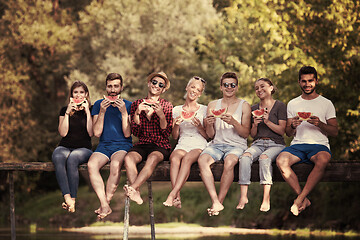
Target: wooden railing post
[126, 218]
[12, 205]
[151, 211]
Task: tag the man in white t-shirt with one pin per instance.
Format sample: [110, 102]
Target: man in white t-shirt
[310, 143]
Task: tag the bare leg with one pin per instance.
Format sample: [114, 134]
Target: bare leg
[207, 177]
[130, 161]
[265, 206]
[284, 162]
[96, 162]
[182, 176]
[227, 176]
[152, 161]
[176, 159]
[321, 159]
[243, 197]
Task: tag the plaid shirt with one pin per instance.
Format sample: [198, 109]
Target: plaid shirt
[150, 131]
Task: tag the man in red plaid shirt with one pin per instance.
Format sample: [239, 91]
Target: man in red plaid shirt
[151, 122]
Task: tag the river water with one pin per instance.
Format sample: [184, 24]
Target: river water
[56, 235]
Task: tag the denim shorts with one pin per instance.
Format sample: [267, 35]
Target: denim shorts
[220, 151]
[108, 149]
[265, 146]
[306, 151]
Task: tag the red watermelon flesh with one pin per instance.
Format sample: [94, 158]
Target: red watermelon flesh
[112, 99]
[304, 115]
[149, 102]
[219, 112]
[187, 116]
[77, 101]
[258, 113]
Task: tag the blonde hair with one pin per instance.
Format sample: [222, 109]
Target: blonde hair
[193, 79]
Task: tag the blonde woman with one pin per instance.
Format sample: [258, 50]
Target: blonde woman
[192, 139]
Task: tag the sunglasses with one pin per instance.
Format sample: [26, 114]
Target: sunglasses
[199, 78]
[232, 85]
[154, 82]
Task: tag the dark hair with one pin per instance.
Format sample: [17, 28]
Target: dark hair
[114, 76]
[269, 82]
[228, 75]
[307, 70]
[77, 84]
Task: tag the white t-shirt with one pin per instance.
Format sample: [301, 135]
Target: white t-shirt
[306, 132]
[189, 136]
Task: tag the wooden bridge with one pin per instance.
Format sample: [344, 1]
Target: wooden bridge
[336, 171]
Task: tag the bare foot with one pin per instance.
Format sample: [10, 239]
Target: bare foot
[295, 208]
[265, 207]
[104, 212]
[306, 203]
[97, 211]
[215, 209]
[177, 202]
[242, 203]
[169, 201]
[134, 195]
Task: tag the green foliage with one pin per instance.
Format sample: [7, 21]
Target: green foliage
[137, 39]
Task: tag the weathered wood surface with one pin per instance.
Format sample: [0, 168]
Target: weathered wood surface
[335, 171]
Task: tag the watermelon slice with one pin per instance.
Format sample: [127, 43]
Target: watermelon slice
[187, 116]
[219, 112]
[112, 99]
[258, 113]
[149, 102]
[304, 116]
[77, 101]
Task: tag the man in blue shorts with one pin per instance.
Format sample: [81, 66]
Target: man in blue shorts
[310, 143]
[110, 123]
[229, 132]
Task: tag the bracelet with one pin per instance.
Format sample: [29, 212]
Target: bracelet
[67, 113]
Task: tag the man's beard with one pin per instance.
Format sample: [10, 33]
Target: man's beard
[308, 93]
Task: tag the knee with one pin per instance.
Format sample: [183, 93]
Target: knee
[230, 162]
[175, 161]
[282, 162]
[246, 159]
[203, 162]
[321, 161]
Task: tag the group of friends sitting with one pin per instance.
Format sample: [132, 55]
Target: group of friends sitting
[205, 134]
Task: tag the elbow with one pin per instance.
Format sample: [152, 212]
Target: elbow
[97, 134]
[127, 135]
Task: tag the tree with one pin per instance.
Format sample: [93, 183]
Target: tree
[137, 39]
[35, 45]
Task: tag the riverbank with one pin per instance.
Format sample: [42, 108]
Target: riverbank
[181, 230]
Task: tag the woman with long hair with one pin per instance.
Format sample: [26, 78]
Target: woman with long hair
[267, 130]
[192, 138]
[75, 128]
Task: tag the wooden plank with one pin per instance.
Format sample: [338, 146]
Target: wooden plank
[348, 171]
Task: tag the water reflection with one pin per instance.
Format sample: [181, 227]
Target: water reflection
[56, 235]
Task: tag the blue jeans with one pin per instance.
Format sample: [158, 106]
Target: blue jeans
[261, 146]
[66, 162]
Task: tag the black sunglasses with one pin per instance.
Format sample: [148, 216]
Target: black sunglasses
[154, 82]
[232, 85]
[199, 78]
